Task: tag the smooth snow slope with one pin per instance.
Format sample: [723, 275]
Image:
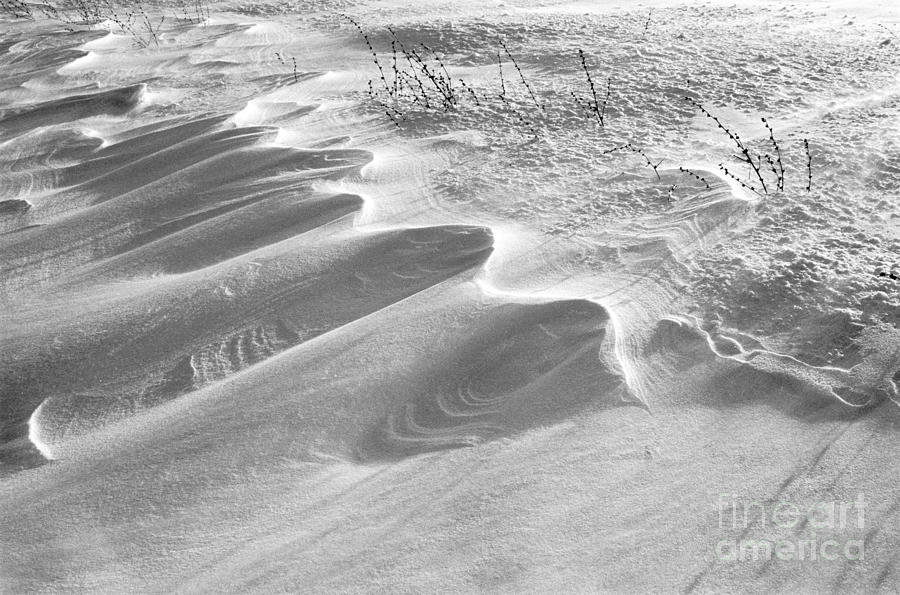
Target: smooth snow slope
[254, 336]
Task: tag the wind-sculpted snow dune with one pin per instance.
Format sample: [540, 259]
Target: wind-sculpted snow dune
[281, 315]
[28, 59]
[113, 102]
[240, 311]
[797, 387]
[138, 194]
[521, 366]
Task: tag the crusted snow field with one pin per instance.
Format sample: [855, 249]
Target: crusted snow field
[272, 322]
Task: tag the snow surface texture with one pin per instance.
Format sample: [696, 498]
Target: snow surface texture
[267, 327]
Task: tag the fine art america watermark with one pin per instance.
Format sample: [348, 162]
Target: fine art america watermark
[841, 522]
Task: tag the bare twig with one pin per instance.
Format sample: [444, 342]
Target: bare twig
[522, 76]
[808, 165]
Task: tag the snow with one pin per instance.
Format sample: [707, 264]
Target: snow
[257, 336]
